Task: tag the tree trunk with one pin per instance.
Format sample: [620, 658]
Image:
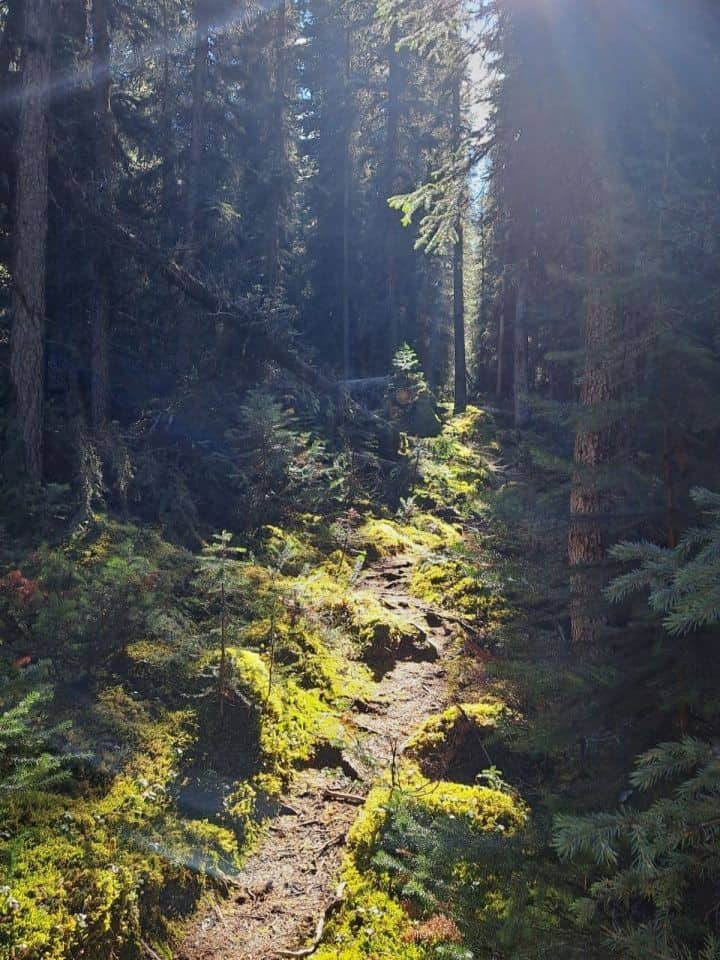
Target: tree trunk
[166, 126]
[389, 216]
[459, 273]
[27, 348]
[590, 498]
[347, 173]
[10, 39]
[104, 192]
[197, 129]
[484, 379]
[459, 323]
[520, 358]
[193, 175]
[508, 301]
[278, 153]
[9, 50]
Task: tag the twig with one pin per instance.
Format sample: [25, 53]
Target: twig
[343, 797]
[148, 950]
[319, 928]
[335, 842]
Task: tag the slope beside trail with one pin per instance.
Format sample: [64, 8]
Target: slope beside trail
[292, 875]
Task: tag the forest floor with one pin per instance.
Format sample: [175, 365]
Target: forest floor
[291, 877]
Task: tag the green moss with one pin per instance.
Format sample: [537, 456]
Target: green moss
[363, 835]
[292, 720]
[374, 920]
[444, 728]
[473, 424]
[291, 549]
[484, 808]
[379, 633]
[455, 466]
[458, 585]
[84, 876]
[385, 537]
[371, 924]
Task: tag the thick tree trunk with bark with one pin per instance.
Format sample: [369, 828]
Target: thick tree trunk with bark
[194, 174]
[459, 322]
[459, 272]
[27, 349]
[166, 125]
[278, 154]
[506, 322]
[394, 82]
[103, 198]
[590, 498]
[347, 175]
[197, 130]
[9, 52]
[520, 358]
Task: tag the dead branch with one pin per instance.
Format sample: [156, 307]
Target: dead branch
[342, 797]
[265, 343]
[334, 842]
[148, 951]
[319, 928]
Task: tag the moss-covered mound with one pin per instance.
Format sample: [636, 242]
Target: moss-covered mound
[383, 636]
[452, 745]
[381, 918]
[419, 535]
[86, 876]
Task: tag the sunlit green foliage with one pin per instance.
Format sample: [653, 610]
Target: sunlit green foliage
[684, 581]
[658, 865]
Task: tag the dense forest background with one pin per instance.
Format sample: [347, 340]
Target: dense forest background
[256, 259]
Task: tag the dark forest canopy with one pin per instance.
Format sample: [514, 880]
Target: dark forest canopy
[420, 295]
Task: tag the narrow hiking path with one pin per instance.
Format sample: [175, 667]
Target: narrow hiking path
[292, 875]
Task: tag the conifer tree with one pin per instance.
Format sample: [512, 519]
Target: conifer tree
[27, 361]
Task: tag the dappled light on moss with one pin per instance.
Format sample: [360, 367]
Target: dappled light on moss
[171, 796]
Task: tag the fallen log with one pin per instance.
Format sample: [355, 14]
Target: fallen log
[365, 384]
[265, 343]
[240, 310]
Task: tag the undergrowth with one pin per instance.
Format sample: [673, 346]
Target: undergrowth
[186, 688]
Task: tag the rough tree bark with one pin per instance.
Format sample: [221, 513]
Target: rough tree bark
[27, 349]
[347, 175]
[197, 129]
[520, 358]
[458, 269]
[394, 83]
[278, 154]
[103, 197]
[168, 158]
[194, 173]
[590, 498]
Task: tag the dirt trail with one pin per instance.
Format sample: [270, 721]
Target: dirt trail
[292, 875]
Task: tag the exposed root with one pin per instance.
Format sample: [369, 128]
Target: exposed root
[319, 929]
